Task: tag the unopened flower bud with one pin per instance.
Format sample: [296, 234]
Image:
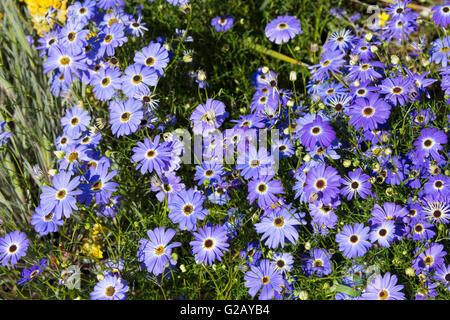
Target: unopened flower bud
[182, 268]
[308, 245]
[389, 192]
[201, 76]
[265, 69]
[313, 47]
[395, 59]
[290, 103]
[356, 83]
[307, 158]
[384, 137]
[388, 151]
[59, 154]
[368, 36]
[347, 163]
[373, 49]
[303, 295]
[293, 76]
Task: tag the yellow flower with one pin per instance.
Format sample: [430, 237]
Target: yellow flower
[383, 17]
[93, 249]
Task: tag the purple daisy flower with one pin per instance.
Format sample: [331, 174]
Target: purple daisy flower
[13, 246]
[441, 15]
[440, 52]
[125, 116]
[384, 233]
[186, 208]
[29, 274]
[60, 198]
[99, 185]
[67, 63]
[111, 38]
[153, 56]
[208, 117]
[341, 40]
[156, 252]
[209, 170]
[369, 113]
[356, 183]
[317, 132]
[437, 186]
[430, 259]
[4, 135]
[264, 275]
[75, 121]
[209, 244]
[45, 222]
[396, 89]
[106, 81]
[442, 274]
[168, 186]
[110, 288]
[137, 77]
[282, 29]
[254, 163]
[222, 23]
[318, 262]
[331, 62]
[353, 240]
[73, 37]
[152, 156]
[430, 142]
[278, 225]
[324, 182]
[263, 189]
[364, 71]
[383, 288]
[389, 211]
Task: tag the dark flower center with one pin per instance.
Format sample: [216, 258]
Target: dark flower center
[338, 107]
[167, 187]
[150, 61]
[447, 277]
[354, 238]
[113, 61]
[437, 214]
[34, 273]
[222, 20]
[137, 78]
[262, 99]
[105, 81]
[108, 38]
[282, 25]
[418, 228]
[365, 66]
[63, 140]
[151, 153]
[73, 156]
[382, 232]
[331, 91]
[125, 116]
[265, 280]
[52, 41]
[315, 130]
[159, 250]
[282, 148]
[12, 248]
[64, 61]
[97, 186]
[383, 295]
[71, 36]
[82, 10]
[317, 263]
[438, 184]
[280, 263]
[278, 222]
[340, 39]
[364, 48]
[399, 10]
[61, 194]
[428, 260]
[361, 92]
[49, 217]
[208, 243]
[261, 187]
[209, 173]
[254, 163]
[110, 291]
[397, 90]
[355, 185]
[446, 9]
[412, 212]
[187, 209]
[135, 25]
[320, 184]
[74, 121]
[326, 63]
[146, 99]
[427, 143]
[368, 111]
